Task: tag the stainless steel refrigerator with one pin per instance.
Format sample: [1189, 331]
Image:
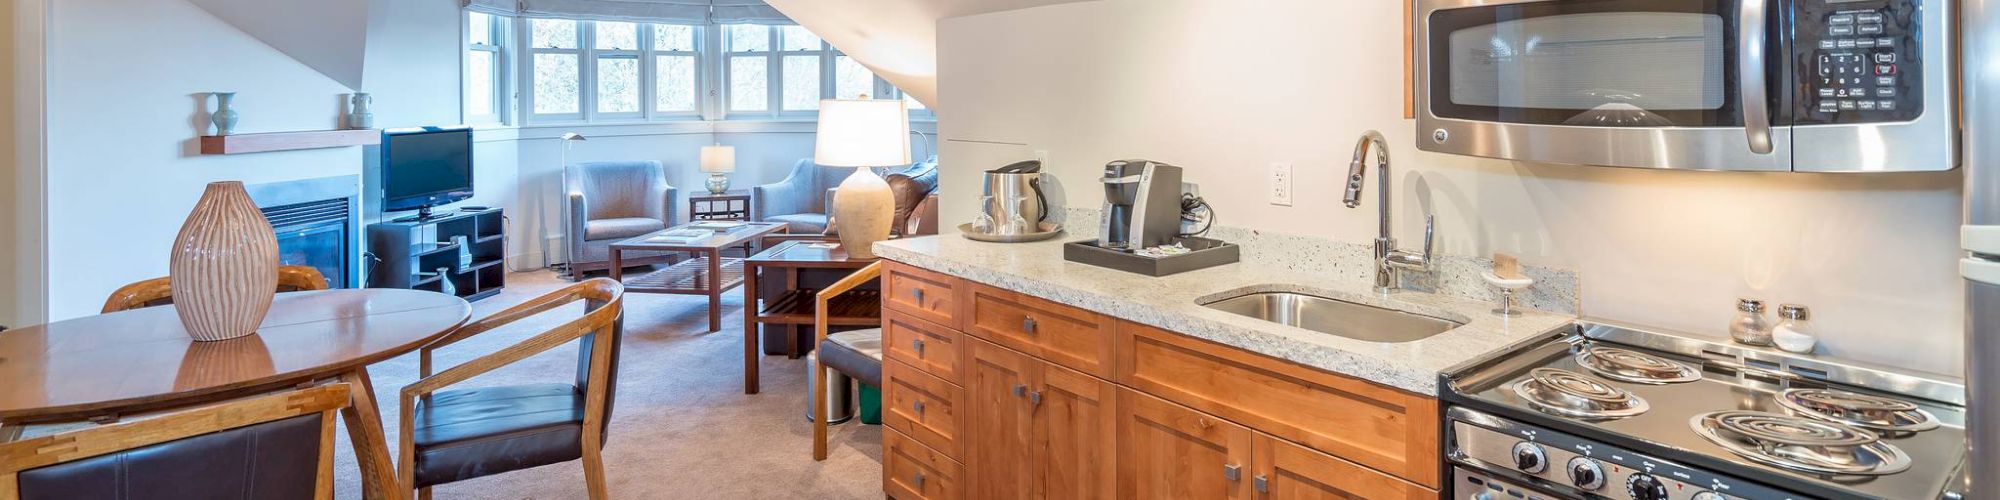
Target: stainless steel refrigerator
[1980, 54]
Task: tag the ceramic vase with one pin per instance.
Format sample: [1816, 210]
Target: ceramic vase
[224, 266]
[224, 116]
[718, 183]
[862, 208]
[360, 116]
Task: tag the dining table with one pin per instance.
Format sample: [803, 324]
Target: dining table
[103, 366]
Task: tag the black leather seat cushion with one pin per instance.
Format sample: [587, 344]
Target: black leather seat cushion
[857, 353]
[468, 433]
[274, 460]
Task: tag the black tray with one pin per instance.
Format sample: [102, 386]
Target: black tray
[1207, 253]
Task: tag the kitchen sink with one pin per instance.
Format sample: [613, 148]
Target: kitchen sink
[1333, 316]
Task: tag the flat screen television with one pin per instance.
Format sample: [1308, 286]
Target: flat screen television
[425, 167]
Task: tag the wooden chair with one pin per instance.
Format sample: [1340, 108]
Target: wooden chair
[456, 435]
[857, 353]
[159, 291]
[275, 446]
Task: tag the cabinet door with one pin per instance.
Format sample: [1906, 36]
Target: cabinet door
[1287, 471]
[998, 426]
[1076, 428]
[1168, 451]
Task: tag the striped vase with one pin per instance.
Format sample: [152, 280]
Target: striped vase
[225, 265]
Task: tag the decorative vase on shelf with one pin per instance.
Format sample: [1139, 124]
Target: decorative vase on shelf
[224, 117]
[224, 265]
[360, 116]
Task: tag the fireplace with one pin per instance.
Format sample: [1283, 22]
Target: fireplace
[318, 223]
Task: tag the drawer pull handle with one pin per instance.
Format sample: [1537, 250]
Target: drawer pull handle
[1232, 472]
[919, 479]
[1262, 483]
[1028, 324]
[1035, 398]
[918, 344]
[918, 294]
[1020, 390]
[1203, 423]
[918, 406]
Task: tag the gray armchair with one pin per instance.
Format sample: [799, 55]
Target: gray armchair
[801, 201]
[612, 201]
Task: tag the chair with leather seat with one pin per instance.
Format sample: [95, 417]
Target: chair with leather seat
[611, 201]
[454, 435]
[160, 291]
[857, 353]
[269, 447]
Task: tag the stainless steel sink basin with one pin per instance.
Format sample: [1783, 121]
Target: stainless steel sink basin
[1334, 317]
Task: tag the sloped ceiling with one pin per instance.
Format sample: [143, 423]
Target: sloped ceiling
[897, 39]
[329, 36]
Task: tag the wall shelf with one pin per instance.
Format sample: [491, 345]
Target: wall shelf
[287, 141]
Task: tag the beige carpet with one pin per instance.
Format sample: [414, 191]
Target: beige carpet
[681, 427]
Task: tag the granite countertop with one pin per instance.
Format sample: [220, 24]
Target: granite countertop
[1172, 303]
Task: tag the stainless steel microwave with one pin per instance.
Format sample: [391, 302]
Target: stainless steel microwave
[1767, 85]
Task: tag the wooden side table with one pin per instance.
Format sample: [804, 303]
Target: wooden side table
[730, 205]
[792, 308]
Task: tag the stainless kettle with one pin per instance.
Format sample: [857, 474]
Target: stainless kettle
[1013, 203]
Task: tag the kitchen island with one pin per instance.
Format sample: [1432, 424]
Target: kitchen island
[1010, 372]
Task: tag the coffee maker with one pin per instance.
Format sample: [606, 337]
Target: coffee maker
[1142, 205]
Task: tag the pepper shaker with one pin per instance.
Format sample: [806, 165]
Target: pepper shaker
[1794, 330]
[1750, 327]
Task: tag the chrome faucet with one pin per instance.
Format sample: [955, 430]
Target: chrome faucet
[1389, 262]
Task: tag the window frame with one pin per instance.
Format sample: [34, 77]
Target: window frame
[500, 31]
[584, 84]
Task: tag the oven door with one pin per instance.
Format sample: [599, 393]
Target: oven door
[1682, 84]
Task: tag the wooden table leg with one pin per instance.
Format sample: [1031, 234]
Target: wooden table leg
[617, 267]
[371, 444]
[791, 331]
[714, 290]
[749, 329]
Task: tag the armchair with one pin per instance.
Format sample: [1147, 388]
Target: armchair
[800, 201]
[612, 201]
[454, 435]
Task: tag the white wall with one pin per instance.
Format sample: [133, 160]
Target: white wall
[1225, 91]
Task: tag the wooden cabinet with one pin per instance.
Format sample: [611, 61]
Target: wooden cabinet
[1383, 428]
[1064, 335]
[1168, 451]
[993, 394]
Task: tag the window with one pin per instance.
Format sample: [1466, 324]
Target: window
[588, 71]
[485, 67]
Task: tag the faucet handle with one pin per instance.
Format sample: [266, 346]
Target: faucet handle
[1430, 232]
[1404, 259]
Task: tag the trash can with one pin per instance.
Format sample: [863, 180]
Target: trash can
[839, 391]
[871, 405]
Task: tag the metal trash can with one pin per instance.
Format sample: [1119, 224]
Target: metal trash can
[839, 390]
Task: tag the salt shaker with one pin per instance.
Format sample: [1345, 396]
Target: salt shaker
[1794, 330]
[1750, 326]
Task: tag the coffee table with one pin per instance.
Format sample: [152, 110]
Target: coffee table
[707, 273]
[793, 309]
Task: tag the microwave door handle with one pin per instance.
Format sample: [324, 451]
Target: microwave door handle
[1751, 46]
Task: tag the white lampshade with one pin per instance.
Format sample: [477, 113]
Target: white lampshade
[862, 133]
[718, 159]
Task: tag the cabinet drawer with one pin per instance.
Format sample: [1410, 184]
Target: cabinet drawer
[922, 344]
[912, 471]
[1288, 471]
[923, 407]
[921, 293]
[1074, 338]
[1386, 429]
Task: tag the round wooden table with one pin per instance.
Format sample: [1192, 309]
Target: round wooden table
[142, 359]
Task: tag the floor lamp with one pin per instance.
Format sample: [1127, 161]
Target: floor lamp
[862, 133]
[568, 139]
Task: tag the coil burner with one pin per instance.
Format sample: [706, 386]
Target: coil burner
[1571, 394]
[1859, 410]
[1619, 364]
[1799, 443]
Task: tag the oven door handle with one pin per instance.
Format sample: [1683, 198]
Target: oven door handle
[1752, 44]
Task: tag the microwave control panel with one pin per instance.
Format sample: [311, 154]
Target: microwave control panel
[1859, 61]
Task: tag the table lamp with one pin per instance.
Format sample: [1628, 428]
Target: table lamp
[718, 160]
[862, 133]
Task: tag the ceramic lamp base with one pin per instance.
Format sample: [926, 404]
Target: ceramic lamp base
[718, 183]
[862, 208]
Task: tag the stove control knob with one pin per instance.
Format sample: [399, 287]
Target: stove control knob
[1529, 458]
[1586, 473]
[1709, 495]
[1645, 487]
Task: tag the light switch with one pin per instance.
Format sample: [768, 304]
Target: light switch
[1281, 184]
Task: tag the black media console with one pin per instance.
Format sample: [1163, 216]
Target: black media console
[412, 253]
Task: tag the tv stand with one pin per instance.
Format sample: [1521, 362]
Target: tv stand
[424, 214]
[425, 254]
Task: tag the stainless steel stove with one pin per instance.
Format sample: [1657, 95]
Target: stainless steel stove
[1615, 411]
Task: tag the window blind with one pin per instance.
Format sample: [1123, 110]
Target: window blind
[650, 11]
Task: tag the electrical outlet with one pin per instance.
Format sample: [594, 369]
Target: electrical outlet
[1281, 184]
